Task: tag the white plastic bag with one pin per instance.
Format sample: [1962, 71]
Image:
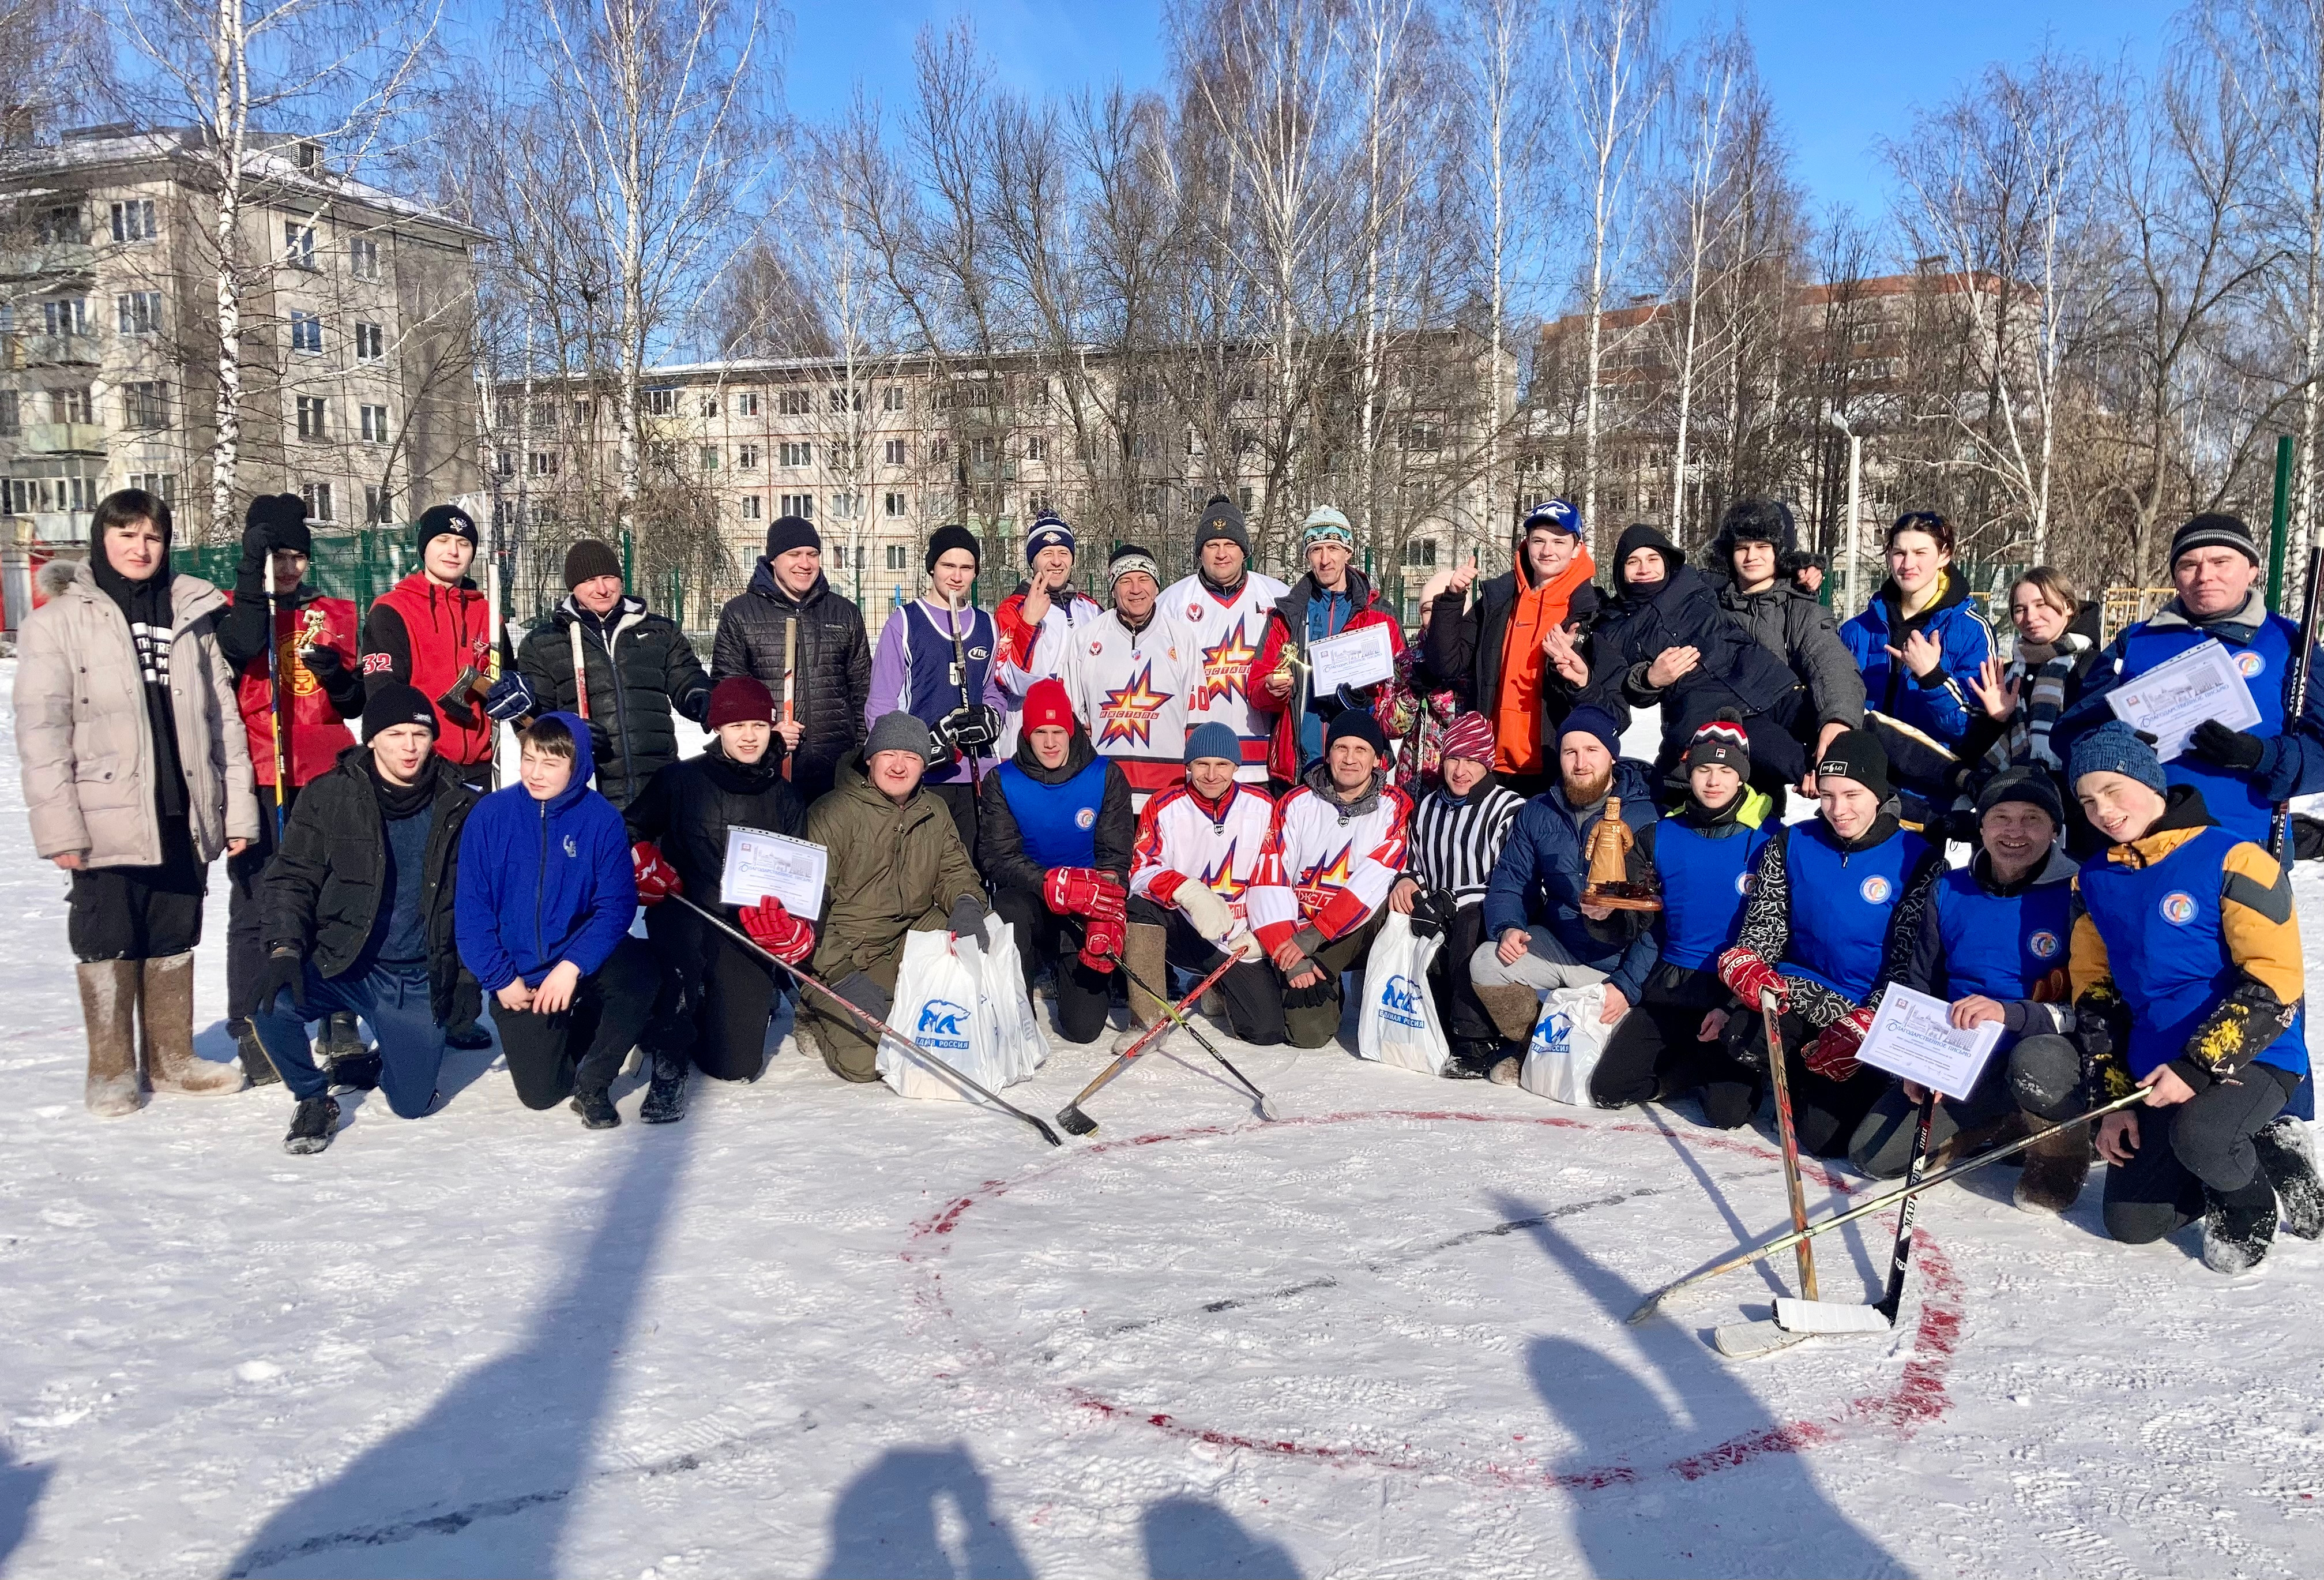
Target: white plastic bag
[1567, 1042]
[940, 1004]
[1016, 1029]
[1399, 1023]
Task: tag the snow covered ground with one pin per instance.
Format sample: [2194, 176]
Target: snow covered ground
[817, 1329]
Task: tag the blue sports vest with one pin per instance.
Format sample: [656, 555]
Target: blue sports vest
[931, 694]
[2166, 950]
[1058, 821]
[1840, 904]
[2266, 664]
[2001, 945]
[1705, 882]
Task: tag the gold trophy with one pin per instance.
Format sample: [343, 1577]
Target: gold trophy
[1608, 850]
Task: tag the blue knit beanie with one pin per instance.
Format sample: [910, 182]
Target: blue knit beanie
[1587, 720]
[1213, 739]
[1049, 531]
[2114, 747]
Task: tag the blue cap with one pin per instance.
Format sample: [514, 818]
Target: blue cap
[1557, 514]
[1594, 721]
[1049, 531]
[1213, 739]
[2114, 747]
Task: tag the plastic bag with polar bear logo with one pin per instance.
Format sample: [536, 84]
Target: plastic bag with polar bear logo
[1568, 1040]
[943, 1005]
[1397, 1024]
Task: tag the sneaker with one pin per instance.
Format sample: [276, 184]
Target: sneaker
[1472, 1060]
[341, 1037]
[2238, 1228]
[468, 1037]
[666, 1095]
[253, 1054]
[597, 1110]
[359, 1073]
[311, 1124]
[2288, 1159]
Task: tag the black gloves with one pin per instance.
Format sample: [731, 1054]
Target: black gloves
[2237, 751]
[967, 917]
[285, 972]
[325, 664]
[274, 521]
[967, 730]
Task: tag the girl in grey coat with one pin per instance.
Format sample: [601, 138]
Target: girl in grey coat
[136, 776]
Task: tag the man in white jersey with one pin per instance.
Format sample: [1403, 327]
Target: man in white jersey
[1224, 604]
[1198, 848]
[1132, 670]
[1037, 622]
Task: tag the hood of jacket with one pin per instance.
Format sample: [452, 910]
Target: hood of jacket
[1079, 755]
[2184, 815]
[2238, 625]
[764, 584]
[584, 762]
[2057, 867]
[1890, 601]
[190, 597]
[1318, 778]
[1645, 535]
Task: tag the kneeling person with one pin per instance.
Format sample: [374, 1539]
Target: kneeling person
[546, 896]
[1054, 833]
[1198, 851]
[356, 915]
[1458, 831]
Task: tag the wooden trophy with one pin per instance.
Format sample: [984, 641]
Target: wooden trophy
[1609, 850]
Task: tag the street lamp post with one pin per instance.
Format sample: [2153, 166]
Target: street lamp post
[1855, 482]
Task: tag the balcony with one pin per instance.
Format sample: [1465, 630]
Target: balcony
[38, 350]
[60, 526]
[57, 258]
[62, 438]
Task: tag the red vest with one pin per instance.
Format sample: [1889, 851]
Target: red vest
[448, 628]
[315, 731]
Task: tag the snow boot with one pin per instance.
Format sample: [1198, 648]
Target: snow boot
[246, 1048]
[666, 1092]
[357, 1072]
[1146, 953]
[341, 1037]
[2056, 1168]
[1214, 1004]
[1507, 1067]
[2238, 1226]
[313, 1124]
[108, 1009]
[165, 1029]
[1514, 1008]
[2288, 1159]
[1972, 1143]
[597, 1110]
[1472, 1060]
[468, 1036]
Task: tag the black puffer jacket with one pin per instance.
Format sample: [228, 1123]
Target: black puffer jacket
[688, 807]
[639, 667]
[834, 668]
[1000, 843]
[321, 894]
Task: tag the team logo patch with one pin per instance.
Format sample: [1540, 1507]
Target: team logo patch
[571, 849]
[2251, 663]
[980, 652]
[1875, 890]
[2178, 908]
[2044, 943]
[943, 1026]
[1743, 883]
[1096, 648]
[1087, 817]
[1194, 611]
[1128, 713]
[1401, 1002]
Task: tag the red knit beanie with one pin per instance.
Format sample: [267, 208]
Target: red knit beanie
[740, 699]
[1047, 703]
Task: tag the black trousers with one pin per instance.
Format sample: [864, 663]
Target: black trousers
[2205, 1143]
[140, 913]
[246, 945]
[715, 999]
[1656, 1048]
[1448, 977]
[1082, 996]
[960, 800]
[552, 1056]
[1252, 990]
[1825, 1113]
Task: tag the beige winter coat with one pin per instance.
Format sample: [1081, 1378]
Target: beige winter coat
[82, 739]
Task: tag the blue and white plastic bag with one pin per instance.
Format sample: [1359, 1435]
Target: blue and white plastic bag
[1399, 1023]
[964, 1002]
[1568, 1040]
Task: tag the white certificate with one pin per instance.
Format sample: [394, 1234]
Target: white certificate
[1353, 658]
[2171, 698]
[1911, 1037]
[759, 864]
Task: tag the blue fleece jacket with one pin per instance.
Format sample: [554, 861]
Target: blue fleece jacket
[543, 881]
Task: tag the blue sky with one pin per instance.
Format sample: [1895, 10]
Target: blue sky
[1844, 73]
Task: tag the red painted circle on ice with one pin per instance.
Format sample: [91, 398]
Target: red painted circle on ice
[1918, 1398]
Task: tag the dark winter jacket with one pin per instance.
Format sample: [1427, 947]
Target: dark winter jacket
[832, 678]
[1288, 626]
[687, 809]
[1000, 843]
[1545, 867]
[544, 881]
[894, 868]
[639, 666]
[1936, 703]
[321, 893]
[1794, 627]
[1463, 647]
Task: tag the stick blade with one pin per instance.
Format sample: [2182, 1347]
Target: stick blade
[1075, 1122]
[1748, 1341]
[1806, 1317]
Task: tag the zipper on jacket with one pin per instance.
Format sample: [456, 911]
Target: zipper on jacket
[539, 883]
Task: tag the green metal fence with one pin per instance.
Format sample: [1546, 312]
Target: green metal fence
[360, 565]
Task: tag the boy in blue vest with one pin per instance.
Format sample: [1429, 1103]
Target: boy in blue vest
[2187, 979]
[1701, 858]
[1830, 898]
[1993, 942]
[938, 659]
[1054, 837]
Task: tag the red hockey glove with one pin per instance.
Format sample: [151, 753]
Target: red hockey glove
[1748, 976]
[778, 931]
[1833, 1054]
[657, 879]
[1102, 944]
[1075, 891]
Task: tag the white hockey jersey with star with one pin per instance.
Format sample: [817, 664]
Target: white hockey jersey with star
[1130, 688]
[1226, 635]
[1181, 841]
[1034, 653]
[1325, 867]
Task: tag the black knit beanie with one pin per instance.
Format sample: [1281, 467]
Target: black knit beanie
[791, 532]
[588, 558]
[945, 539]
[440, 519]
[1222, 518]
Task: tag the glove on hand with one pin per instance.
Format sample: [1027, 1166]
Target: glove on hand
[510, 697]
[1748, 976]
[1211, 915]
[775, 929]
[967, 918]
[1102, 943]
[657, 879]
[1074, 891]
[2237, 751]
[286, 972]
[325, 664]
[1833, 1053]
[1243, 943]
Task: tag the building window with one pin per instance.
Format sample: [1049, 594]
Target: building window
[940, 450]
[139, 312]
[746, 457]
[1420, 554]
[541, 463]
[73, 405]
[312, 417]
[801, 506]
[379, 505]
[374, 424]
[892, 452]
[798, 454]
[839, 401]
[980, 451]
[790, 402]
[746, 403]
[144, 405]
[362, 258]
[752, 503]
[710, 457]
[661, 402]
[709, 406]
[58, 226]
[505, 463]
[65, 315]
[132, 220]
[891, 504]
[1136, 446]
[892, 398]
[1242, 500]
[900, 557]
[318, 496]
[1426, 433]
[844, 506]
[11, 418]
[1036, 449]
[307, 332]
[369, 343]
[161, 485]
[298, 243]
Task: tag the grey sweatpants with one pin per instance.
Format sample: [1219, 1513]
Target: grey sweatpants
[1546, 963]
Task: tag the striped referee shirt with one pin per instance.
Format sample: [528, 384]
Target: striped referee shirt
[1454, 844]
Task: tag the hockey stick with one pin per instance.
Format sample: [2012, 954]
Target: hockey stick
[1744, 1341]
[2295, 701]
[1766, 1249]
[274, 700]
[1071, 1116]
[871, 1025]
[1178, 1014]
[580, 673]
